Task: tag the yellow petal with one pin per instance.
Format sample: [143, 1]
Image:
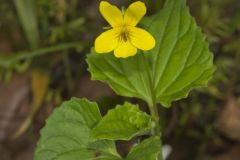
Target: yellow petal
[134, 13]
[141, 39]
[125, 49]
[107, 41]
[111, 13]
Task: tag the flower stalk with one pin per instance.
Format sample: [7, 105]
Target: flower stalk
[152, 105]
[157, 129]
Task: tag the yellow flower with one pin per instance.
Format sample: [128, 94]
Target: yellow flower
[123, 37]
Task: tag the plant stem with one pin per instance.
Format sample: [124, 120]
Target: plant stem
[7, 61]
[153, 106]
[157, 5]
[155, 116]
[157, 129]
[68, 74]
[160, 155]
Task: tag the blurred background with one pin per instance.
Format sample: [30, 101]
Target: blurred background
[43, 45]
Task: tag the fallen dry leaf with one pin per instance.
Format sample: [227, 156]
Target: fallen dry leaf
[39, 88]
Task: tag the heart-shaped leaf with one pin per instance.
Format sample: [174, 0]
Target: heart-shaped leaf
[180, 61]
[66, 135]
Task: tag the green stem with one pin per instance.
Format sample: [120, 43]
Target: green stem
[160, 155]
[153, 106]
[158, 4]
[157, 129]
[68, 74]
[7, 61]
[155, 116]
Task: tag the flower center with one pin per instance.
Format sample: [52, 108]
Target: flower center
[124, 35]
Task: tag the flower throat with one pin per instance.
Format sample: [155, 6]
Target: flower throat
[124, 35]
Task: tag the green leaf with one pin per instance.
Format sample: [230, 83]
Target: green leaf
[26, 13]
[180, 61]
[127, 77]
[146, 150]
[67, 134]
[122, 123]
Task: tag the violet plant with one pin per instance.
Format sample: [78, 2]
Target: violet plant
[159, 61]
